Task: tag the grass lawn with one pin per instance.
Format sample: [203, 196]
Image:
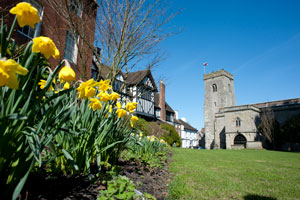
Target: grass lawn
[234, 174]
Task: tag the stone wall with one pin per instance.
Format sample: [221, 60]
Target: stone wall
[224, 96]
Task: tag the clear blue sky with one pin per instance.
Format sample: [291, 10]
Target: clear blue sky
[258, 41]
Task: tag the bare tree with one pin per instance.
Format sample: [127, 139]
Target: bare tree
[128, 31]
[267, 125]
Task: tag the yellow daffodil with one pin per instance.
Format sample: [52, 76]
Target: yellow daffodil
[86, 89]
[8, 70]
[45, 46]
[114, 96]
[90, 92]
[26, 14]
[121, 113]
[133, 119]
[42, 84]
[162, 141]
[141, 134]
[104, 96]
[66, 74]
[95, 104]
[104, 85]
[119, 105]
[131, 106]
[66, 86]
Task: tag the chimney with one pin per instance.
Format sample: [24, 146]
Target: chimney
[184, 119]
[162, 102]
[176, 114]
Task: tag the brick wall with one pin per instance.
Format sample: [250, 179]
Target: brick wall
[56, 22]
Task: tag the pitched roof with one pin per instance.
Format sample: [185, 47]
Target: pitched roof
[277, 103]
[187, 125]
[134, 78]
[104, 71]
[168, 108]
[156, 104]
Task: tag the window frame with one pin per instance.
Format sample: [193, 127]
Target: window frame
[73, 48]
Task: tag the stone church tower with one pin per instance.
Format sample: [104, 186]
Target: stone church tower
[219, 93]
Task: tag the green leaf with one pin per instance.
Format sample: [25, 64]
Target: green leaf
[70, 158]
[22, 182]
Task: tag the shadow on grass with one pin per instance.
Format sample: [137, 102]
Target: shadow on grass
[257, 197]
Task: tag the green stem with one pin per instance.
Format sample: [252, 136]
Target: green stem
[11, 29]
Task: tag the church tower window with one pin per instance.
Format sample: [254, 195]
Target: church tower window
[214, 87]
[238, 122]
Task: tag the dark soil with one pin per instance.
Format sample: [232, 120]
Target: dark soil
[153, 181]
[44, 187]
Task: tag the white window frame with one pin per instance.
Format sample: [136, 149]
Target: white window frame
[73, 47]
[32, 33]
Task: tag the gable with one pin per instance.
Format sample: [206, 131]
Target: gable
[147, 82]
[119, 77]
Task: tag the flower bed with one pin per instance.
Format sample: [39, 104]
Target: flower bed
[52, 124]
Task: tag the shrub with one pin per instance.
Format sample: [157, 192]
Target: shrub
[143, 126]
[171, 136]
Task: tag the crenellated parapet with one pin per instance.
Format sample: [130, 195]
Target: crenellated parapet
[218, 73]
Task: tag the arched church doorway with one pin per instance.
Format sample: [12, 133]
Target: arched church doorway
[240, 140]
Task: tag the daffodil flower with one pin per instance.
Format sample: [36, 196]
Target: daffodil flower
[133, 119]
[89, 92]
[104, 96]
[45, 46]
[131, 106]
[114, 96]
[8, 70]
[66, 74]
[104, 85]
[42, 84]
[121, 113]
[26, 14]
[86, 90]
[95, 104]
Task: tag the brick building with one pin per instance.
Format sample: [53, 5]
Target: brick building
[69, 23]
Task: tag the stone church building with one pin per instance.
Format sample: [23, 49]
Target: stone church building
[229, 126]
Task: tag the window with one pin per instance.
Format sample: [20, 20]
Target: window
[238, 122]
[146, 95]
[214, 87]
[117, 85]
[29, 32]
[71, 48]
[76, 7]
